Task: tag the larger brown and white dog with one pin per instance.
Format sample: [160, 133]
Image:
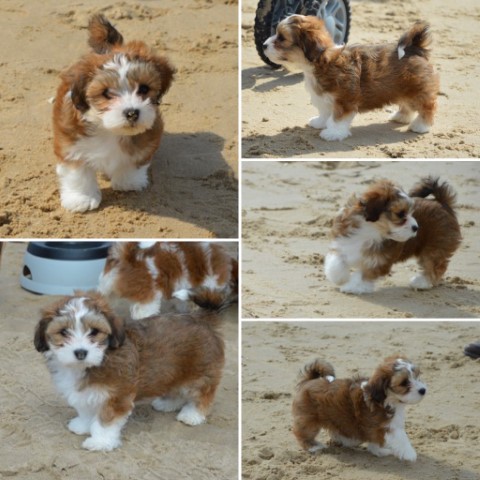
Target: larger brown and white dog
[357, 410]
[343, 81]
[102, 365]
[148, 273]
[106, 116]
[384, 225]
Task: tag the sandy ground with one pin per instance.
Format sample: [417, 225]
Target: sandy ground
[276, 106]
[35, 443]
[443, 428]
[193, 192]
[287, 212]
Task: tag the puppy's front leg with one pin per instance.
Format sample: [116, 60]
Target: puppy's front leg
[105, 437]
[130, 177]
[400, 445]
[338, 128]
[79, 190]
[324, 104]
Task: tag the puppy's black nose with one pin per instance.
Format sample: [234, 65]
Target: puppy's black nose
[80, 353]
[414, 228]
[422, 391]
[132, 114]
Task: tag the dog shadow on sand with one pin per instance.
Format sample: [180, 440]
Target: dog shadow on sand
[191, 181]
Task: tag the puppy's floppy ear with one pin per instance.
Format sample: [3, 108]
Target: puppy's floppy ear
[167, 71]
[78, 93]
[40, 338]
[372, 206]
[310, 44]
[376, 388]
[103, 35]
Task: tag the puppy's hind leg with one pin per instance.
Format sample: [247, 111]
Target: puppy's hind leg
[305, 429]
[424, 119]
[194, 412]
[404, 115]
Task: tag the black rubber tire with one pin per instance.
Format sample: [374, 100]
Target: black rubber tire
[263, 28]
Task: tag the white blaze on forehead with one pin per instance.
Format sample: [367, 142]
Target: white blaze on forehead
[77, 309]
[120, 64]
[400, 363]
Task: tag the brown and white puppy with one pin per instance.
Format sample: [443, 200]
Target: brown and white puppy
[343, 81]
[148, 273]
[358, 410]
[384, 225]
[106, 116]
[102, 365]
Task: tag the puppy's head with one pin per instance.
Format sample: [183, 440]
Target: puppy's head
[389, 209]
[119, 86]
[299, 41]
[395, 381]
[78, 330]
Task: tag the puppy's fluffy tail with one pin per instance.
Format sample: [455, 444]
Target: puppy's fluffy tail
[103, 35]
[442, 192]
[211, 298]
[415, 41]
[317, 369]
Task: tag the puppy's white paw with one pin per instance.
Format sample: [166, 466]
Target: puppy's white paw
[78, 202]
[166, 404]
[101, 444]
[79, 426]
[357, 286]
[130, 179]
[378, 451]
[191, 416]
[419, 125]
[402, 117]
[332, 134]
[408, 454]
[317, 447]
[318, 122]
[420, 282]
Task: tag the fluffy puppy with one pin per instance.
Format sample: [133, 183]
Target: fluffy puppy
[102, 365]
[343, 81]
[358, 410]
[106, 116]
[384, 225]
[147, 275]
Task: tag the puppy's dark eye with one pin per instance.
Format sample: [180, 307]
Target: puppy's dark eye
[401, 214]
[93, 332]
[280, 37]
[106, 94]
[143, 89]
[64, 332]
[405, 383]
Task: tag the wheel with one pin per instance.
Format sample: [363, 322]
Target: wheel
[264, 28]
[335, 14]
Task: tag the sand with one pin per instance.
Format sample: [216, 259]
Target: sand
[276, 106]
[35, 443]
[193, 192]
[443, 428]
[287, 212]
